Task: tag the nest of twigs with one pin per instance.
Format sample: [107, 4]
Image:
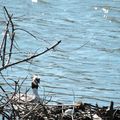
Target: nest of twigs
[36, 111]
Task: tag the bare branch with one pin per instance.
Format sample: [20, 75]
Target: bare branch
[29, 58]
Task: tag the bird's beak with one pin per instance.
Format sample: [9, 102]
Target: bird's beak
[38, 80]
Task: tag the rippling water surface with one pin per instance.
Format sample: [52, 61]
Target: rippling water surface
[90, 73]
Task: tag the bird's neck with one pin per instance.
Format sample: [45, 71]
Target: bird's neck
[35, 92]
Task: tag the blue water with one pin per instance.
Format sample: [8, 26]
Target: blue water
[90, 73]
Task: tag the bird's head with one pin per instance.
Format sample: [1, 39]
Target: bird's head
[35, 81]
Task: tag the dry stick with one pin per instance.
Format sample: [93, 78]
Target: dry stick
[1, 98]
[16, 45]
[4, 91]
[7, 97]
[6, 31]
[13, 34]
[83, 45]
[30, 112]
[11, 38]
[21, 84]
[73, 109]
[32, 35]
[114, 114]
[9, 100]
[44, 98]
[9, 18]
[91, 113]
[6, 13]
[97, 109]
[3, 45]
[29, 58]
[26, 32]
[11, 46]
[111, 110]
[4, 50]
[16, 85]
[6, 80]
[4, 115]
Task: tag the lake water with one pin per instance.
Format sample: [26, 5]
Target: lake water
[90, 73]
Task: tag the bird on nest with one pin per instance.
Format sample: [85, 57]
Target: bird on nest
[30, 98]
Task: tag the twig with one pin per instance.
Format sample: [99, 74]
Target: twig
[12, 33]
[30, 112]
[9, 18]
[26, 32]
[3, 45]
[21, 84]
[4, 92]
[11, 46]
[6, 80]
[73, 104]
[29, 58]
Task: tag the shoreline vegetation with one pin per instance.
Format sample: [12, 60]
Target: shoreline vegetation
[11, 109]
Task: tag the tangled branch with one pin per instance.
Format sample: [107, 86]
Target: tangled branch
[6, 53]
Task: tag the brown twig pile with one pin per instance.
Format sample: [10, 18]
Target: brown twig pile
[13, 109]
[22, 110]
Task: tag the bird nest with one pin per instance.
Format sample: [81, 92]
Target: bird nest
[14, 110]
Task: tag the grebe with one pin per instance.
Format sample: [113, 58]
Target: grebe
[30, 98]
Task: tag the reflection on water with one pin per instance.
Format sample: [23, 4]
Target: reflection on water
[91, 71]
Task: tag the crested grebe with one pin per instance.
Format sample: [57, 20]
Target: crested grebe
[30, 98]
